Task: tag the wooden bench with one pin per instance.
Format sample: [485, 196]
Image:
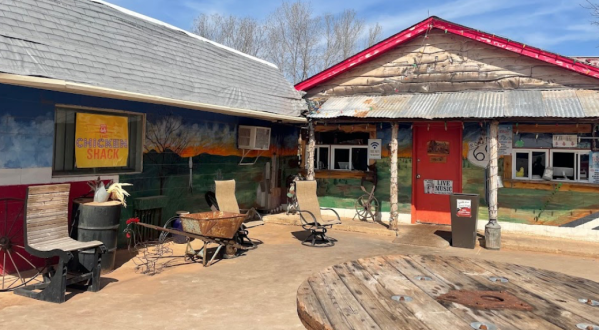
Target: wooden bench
[46, 235]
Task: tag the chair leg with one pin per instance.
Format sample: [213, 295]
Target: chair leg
[52, 291]
[95, 280]
[320, 236]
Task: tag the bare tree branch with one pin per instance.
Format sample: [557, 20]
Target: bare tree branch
[299, 42]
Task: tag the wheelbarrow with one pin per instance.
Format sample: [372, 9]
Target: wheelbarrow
[214, 227]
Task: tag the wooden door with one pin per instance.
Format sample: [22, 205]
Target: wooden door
[437, 170]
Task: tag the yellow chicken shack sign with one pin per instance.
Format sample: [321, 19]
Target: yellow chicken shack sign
[101, 141]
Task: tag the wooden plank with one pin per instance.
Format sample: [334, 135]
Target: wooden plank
[309, 309]
[63, 216]
[46, 213]
[386, 281]
[59, 188]
[43, 197]
[357, 128]
[546, 315]
[447, 279]
[341, 296]
[550, 185]
[507, 169]
[49, 203]
[328, 301]
[439, 286]
[333, 174]
[564, 293]
[379, 305]
[565, 128]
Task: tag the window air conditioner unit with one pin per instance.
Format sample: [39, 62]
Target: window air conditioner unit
[253, 138]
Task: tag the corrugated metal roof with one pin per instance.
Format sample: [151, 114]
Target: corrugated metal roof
[480, 104]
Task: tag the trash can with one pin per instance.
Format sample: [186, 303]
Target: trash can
[464, 217]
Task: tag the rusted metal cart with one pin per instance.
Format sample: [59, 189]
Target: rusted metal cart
[214, 227]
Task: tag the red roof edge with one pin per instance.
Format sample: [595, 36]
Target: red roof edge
[437, 23]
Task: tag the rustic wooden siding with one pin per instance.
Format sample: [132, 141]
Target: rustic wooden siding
[449, 63]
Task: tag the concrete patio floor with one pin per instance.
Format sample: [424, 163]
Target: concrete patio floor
[255, 291]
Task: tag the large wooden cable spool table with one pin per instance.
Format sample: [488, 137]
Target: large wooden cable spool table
[431, 292]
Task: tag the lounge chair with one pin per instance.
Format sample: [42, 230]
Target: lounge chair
[227, 202]
[309, 211]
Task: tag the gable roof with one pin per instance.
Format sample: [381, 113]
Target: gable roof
[106, 48]
[434, 22]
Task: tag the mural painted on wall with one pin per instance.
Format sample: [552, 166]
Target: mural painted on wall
[183, 157]
[26, 142]
[555, 207]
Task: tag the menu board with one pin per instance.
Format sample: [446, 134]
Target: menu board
[504, 138]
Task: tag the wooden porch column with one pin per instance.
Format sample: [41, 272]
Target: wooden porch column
[393, 221]
[310, 153]
[493, 229]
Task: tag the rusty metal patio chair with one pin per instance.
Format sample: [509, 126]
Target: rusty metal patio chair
[227, 202]
[311, 217]
[46, 235]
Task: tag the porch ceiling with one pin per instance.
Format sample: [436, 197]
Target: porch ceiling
[479, 104]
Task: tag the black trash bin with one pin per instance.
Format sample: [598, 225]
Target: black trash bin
[464, 217]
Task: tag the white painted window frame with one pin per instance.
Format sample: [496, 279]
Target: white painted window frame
[577, 153]
[347, 147]
[317, 157]
[530, 162]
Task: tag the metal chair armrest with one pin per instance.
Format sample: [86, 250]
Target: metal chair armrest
[306, 223]
[330, 209]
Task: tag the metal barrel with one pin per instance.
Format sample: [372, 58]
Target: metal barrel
[99, 221]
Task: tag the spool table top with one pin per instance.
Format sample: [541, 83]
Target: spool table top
[430, 292]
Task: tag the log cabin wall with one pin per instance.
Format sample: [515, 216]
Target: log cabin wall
[449, 63]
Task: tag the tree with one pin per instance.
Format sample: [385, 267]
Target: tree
[292, 34]
[165, 138]
[374, 35]
[299, 42]
[241, 33]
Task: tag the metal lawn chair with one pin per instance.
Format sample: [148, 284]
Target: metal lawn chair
[309, 210]
[227, 202]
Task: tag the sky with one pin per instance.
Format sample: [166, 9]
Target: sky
[560, 26]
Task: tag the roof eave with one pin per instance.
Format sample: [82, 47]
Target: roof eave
[84, 89]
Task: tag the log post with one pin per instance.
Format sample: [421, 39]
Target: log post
[310, 153]
[493, 229]
[394, 221]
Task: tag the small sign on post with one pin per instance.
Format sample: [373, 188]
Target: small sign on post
[374, 148]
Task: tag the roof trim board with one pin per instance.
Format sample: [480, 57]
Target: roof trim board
[84, 89]
[434, 22]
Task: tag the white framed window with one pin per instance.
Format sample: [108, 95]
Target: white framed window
[322, 157]
[349, 158]
[340, 157]
[570, 165]
[566, 164]
[529, 164]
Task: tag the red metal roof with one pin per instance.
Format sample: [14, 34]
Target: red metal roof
[434, 22]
